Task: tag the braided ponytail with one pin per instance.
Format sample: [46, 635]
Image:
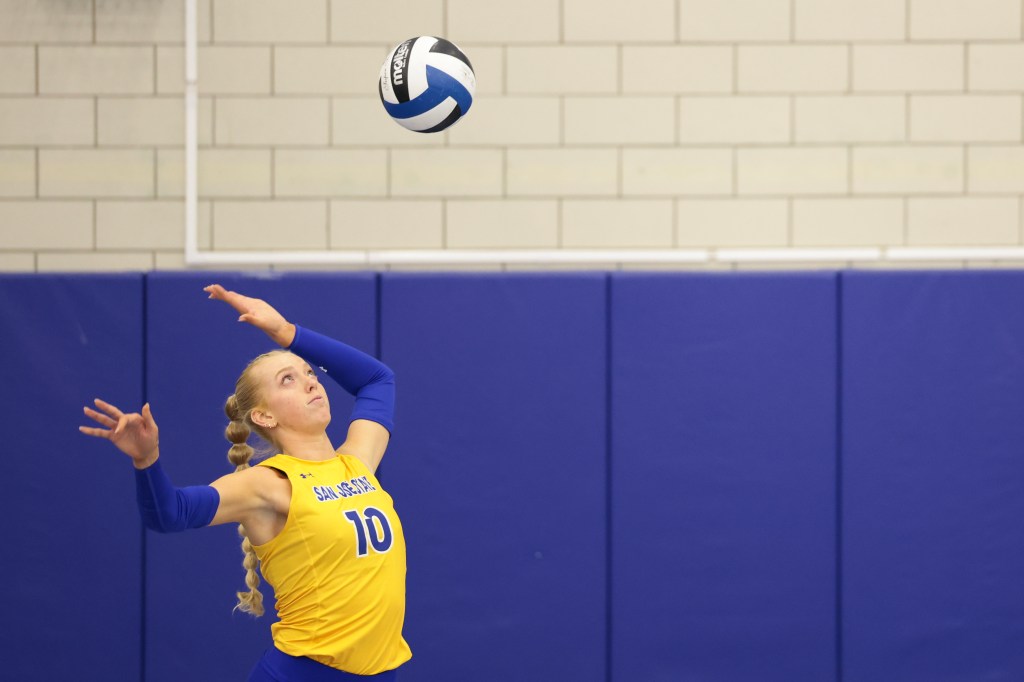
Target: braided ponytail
[237, 433]
[238, 409]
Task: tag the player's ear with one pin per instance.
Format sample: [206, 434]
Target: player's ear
[263, 419]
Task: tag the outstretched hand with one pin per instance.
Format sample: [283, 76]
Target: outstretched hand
[134, 434]
[256, 312]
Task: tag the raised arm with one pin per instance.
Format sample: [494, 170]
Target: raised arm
[369, 380]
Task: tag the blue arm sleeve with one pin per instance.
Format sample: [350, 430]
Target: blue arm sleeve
[368, 379]
[167, 509]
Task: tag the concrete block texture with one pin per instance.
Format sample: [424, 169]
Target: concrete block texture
[362, 121]
[561, 172]
[677, 172]
[963, 221]
[99, 70]
[792, 171]
[908, 68]
[45, 122]
[258, 225]
[98, 261]
[655, 124]
[18, 74]
[149, 122]
[908, 170]
[446, 172]
[46, 225]
[221, 70]
[620, 120]
[375, 224]
[327, 70]
[17, 173]
[501, 224]
[734, 20]
[734, 120]
[610, 223]
[387, 22]
[34, 21]
[850, 118]
[671, 69]
[732, 223]
[17, 261]
[259, 121]
[965, 19]
[793, 68]
[635, 21]
[569, 70]
[140, 225]
[860, 222]
[481, 21]
[997, 67]
[270, 21]
[849, 20]
[118, 21]
[97, 173]
[507, 121]
[222, 173]
[330, 172]
[995, 169]
[965, 118]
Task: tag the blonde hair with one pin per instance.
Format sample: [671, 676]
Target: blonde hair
[238, 409]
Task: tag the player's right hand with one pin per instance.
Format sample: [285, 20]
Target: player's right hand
[134, 434]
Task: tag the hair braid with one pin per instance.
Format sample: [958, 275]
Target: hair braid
[237, 432]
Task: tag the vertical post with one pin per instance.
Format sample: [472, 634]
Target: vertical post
[191, 133]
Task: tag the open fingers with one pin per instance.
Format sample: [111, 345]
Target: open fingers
[121, 423]
[109, 409]
[91, 431]
[100, 417]
[234, 299]
[216, 291]
[147, 415]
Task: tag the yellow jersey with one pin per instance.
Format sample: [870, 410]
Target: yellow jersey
[338, 568]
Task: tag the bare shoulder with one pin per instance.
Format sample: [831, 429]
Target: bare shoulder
[263, 482]
[247, 495]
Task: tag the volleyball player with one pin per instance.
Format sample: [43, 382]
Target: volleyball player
[314, 518]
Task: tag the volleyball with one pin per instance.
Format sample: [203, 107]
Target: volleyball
[426, 84]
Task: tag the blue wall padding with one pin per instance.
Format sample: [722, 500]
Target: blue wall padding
[498, 468]
[667, 474]
[723, 477]
[71, 564]
[933, 477]
[196, 350]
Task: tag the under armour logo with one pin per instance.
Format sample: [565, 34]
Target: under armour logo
[305, 475]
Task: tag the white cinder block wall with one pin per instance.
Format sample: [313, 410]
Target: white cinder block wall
[653, 124]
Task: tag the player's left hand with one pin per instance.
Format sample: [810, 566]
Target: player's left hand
[256, 312]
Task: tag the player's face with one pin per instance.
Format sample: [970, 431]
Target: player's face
[292, 395]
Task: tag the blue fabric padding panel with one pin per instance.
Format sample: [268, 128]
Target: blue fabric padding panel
[498, 470]
[197, 349]
[723, 477]
[933, 477]
[71, 562]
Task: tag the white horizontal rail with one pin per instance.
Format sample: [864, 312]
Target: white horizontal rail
[385, 257]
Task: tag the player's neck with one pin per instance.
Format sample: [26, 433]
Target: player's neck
[315, 447]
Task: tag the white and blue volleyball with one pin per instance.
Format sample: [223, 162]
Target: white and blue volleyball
[426, 84]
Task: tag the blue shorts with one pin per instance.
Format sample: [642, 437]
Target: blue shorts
[277, 666]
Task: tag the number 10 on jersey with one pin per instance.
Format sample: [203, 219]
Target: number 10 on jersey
[378, 534]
